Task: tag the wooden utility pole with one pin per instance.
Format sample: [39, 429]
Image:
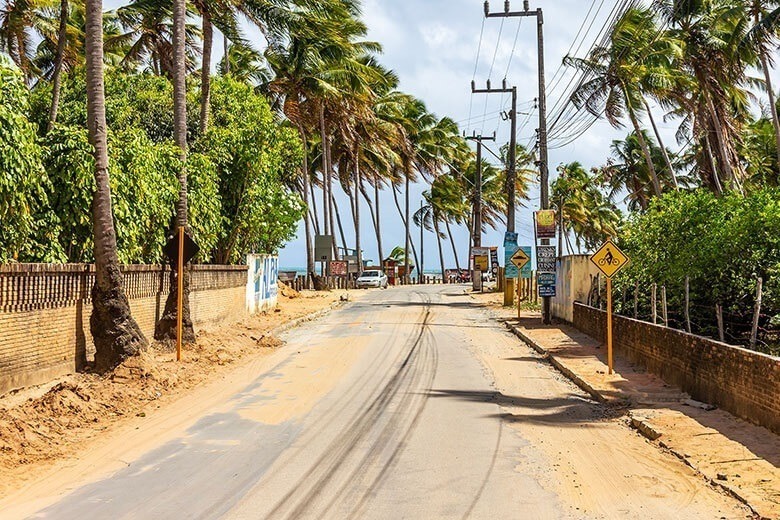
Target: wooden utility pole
[543, 159]
[756, 313]
[511, 174]
[477, 203]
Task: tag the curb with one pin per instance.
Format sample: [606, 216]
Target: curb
[577, 380]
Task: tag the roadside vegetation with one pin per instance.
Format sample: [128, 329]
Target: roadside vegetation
[708, 211]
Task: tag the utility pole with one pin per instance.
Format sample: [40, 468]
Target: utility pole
[477, 204]
[543, 158]
[511, 174]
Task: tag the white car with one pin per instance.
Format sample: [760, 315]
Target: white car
[372, 279]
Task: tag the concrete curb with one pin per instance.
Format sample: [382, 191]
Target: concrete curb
[577, 380]
[639, 423]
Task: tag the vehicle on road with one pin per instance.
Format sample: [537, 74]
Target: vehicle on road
[374, 278]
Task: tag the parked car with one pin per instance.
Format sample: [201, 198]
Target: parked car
[374, 278]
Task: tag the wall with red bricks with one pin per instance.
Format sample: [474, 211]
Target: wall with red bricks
[45, 309]
[738, 380]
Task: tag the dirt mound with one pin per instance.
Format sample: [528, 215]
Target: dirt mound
[287, 291]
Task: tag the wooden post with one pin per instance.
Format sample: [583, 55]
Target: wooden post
[719, 315]
[180, 295]
[636, 301]
[688, 304]
[756, 313]
[609, 324]
[654, 310]
[663, 306]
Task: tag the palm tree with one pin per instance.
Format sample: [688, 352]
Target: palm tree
[62, 36]
[713, 102]
[167, 325]
[763, 39]
[583, 208]
[115, 332]
[636, 55]
[19, 20]
[629, 171]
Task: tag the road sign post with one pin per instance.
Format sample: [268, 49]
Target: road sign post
[520, 258]
[610, 260]
[180, 295]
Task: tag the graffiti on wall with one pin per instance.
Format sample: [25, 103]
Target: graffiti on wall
[262, 288]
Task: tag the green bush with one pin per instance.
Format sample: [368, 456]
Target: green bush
[723, 244]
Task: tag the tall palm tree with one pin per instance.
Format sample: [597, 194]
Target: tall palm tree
[714, 101]
[635, 56]
[167, 325]
[115, 332]
[763, 39]
[584, 209]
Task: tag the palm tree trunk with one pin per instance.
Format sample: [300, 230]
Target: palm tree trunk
[404, 221]
[725, 161]
[452, 242]
[438, 242]
[115, 332]
[378, 220]
[62, 37]
[315, 215]
[715, 179]
[205, 70]
[335, 209]
[772, 101]
[645, 151]
[325, 172]
[306, 221]
[661, 144]
[374, 216]
[227, 54]
[167, 326]
[406, 228]
[358, 252]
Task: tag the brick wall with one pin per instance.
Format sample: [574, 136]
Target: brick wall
[45, 309]
[741, 381]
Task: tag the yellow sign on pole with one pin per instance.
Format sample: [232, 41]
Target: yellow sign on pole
[610, 260]
[520, 258]
[482, 263]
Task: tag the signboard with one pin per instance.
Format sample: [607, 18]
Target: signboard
[520, 258]
[527, 272]
[171, 249]
[338, 268]
[494, 260]
[546, 278]
[510, 269]
[547, 291]
[545, 259]
[323, 248]
[609, 259]
[510, 238]
[545, 223]
[482, 263]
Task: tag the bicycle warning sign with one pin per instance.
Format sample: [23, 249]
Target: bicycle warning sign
[609, 259]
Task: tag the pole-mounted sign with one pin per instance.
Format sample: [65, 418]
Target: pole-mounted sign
[610, 260]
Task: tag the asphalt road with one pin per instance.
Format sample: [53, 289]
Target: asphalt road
[410, 403]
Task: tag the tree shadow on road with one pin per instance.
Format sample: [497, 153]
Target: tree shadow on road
[567, 410]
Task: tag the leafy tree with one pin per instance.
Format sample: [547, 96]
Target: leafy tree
[23, 183]
[254, 159]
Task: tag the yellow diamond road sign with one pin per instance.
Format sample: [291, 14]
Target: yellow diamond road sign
[519, 258]
[609, 259]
